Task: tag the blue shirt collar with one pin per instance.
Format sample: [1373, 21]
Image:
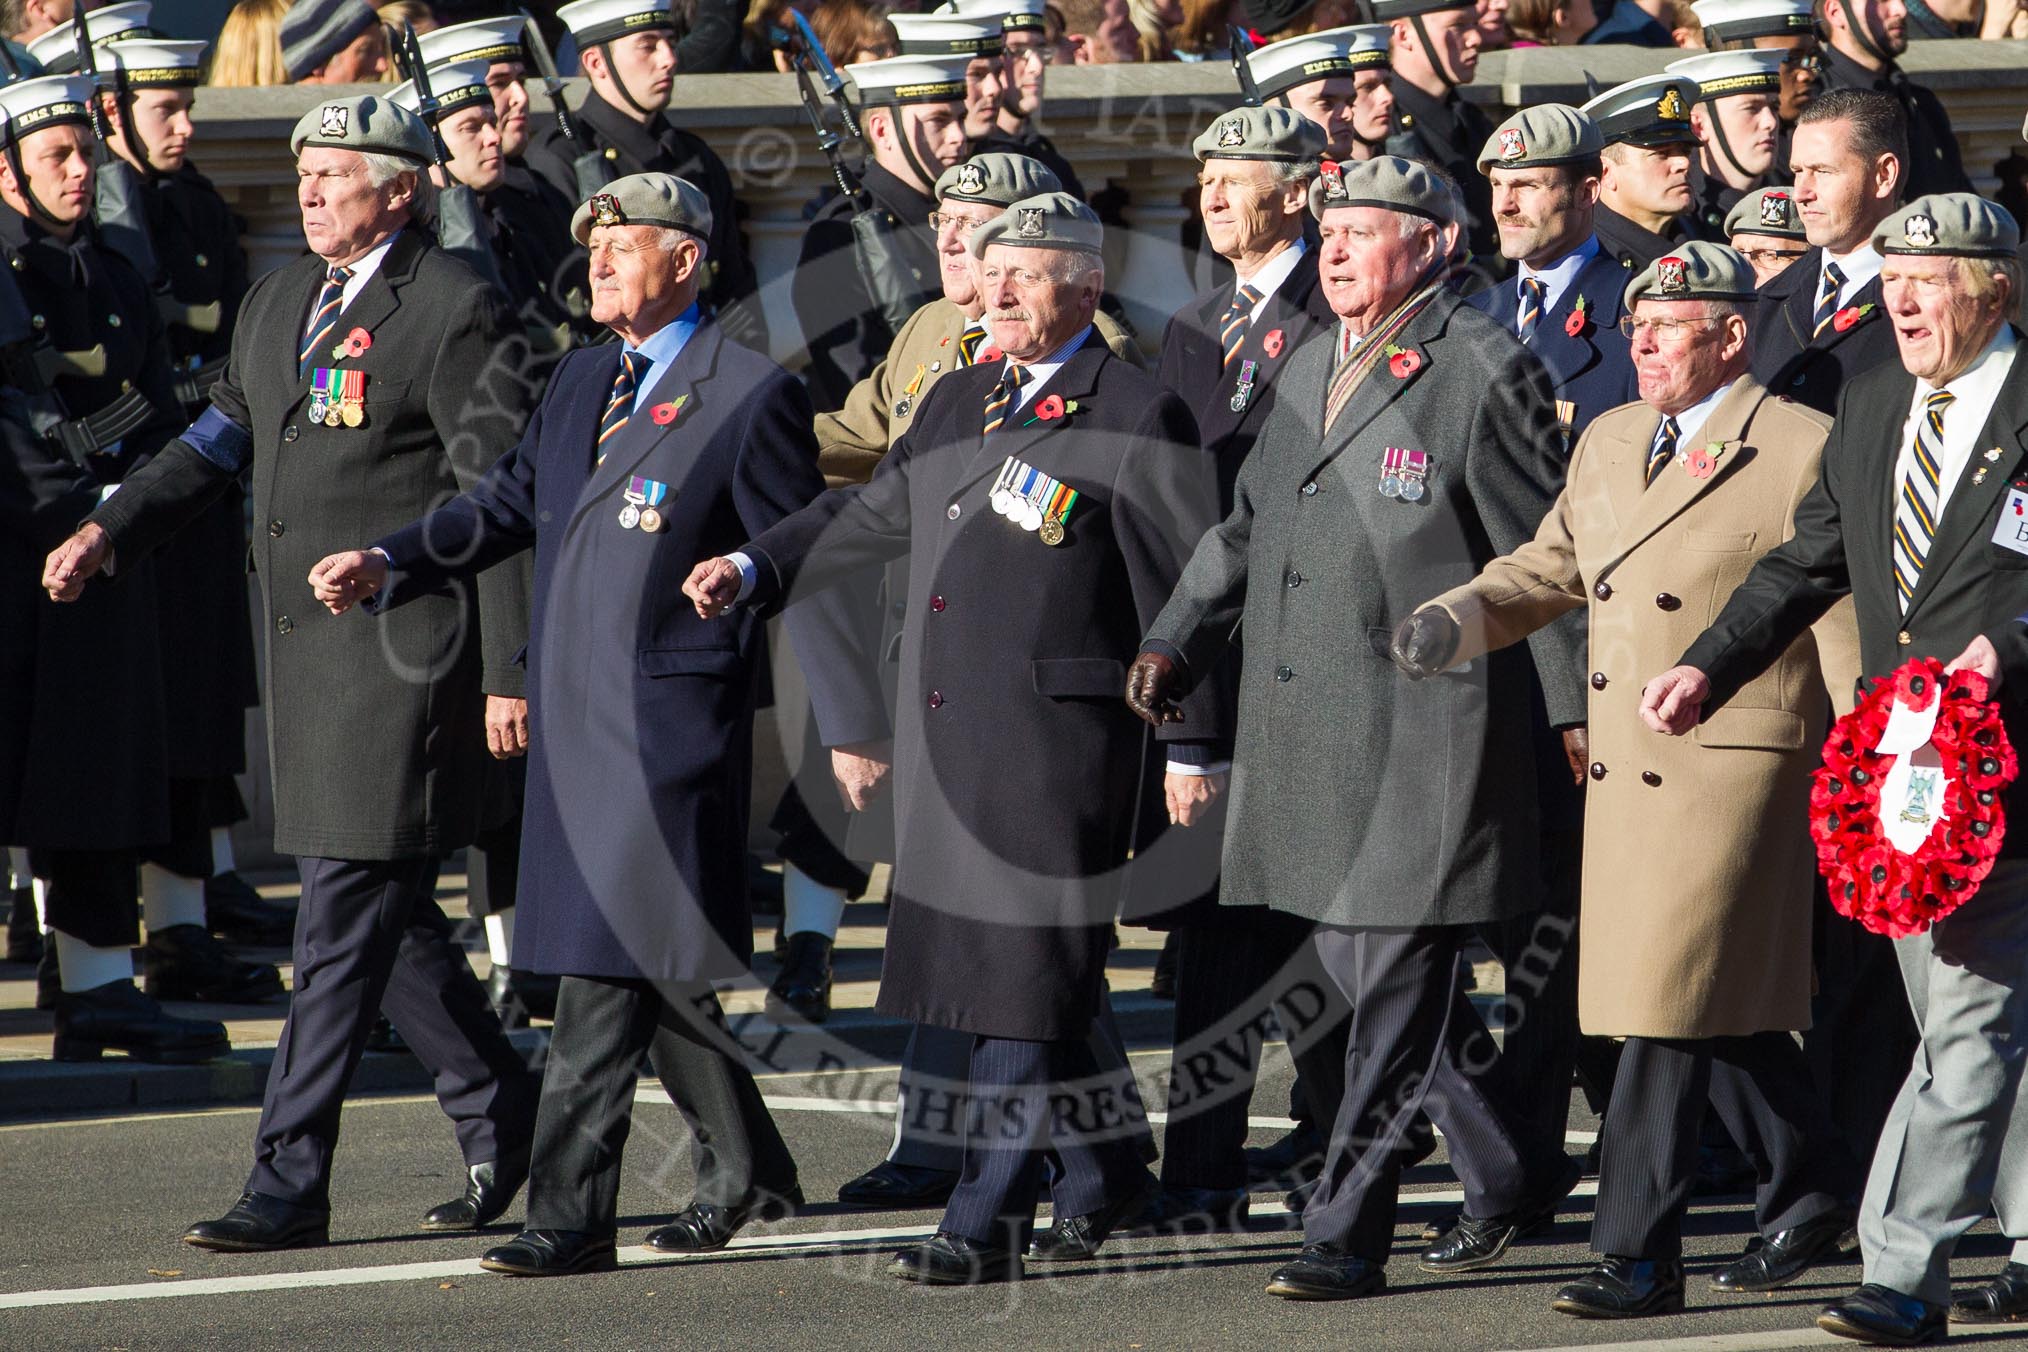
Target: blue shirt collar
[663, 345]
[1561, 275]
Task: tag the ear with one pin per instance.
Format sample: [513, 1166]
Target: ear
[114, 113]
[1402, 33]
[880, 125]
[1700, 122]
[1587, 191]
[1887, 176]
[401, 189]
[593, 59]
[1080, 49]
[1296, 197]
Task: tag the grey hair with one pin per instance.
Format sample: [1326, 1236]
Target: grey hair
[1291, 171]
[382, 170]
[1070, 267]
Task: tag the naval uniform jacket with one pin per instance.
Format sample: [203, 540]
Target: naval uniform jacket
[1634, 246]
[1448, 133]
[633, 845]
[1813, 370]
[1934, 161]
[82, 751]
[1018, 767]
[375, 727]
[843, 332]
[1360, 798]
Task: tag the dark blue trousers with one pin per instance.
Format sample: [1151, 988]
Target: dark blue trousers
[371, 937]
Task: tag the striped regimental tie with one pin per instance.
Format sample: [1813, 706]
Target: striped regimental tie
[620, 403]
[323, 319]
[1002, 398]
[1915, 509]
[969, 343]
[1532, 292]
[1664, 449]
[1238, 318]
[1827, 298]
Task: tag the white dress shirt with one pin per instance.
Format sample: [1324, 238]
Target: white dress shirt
[1271, 275]
[363, 270]
[1692, 419]
[1859, 267]
[1964, 418]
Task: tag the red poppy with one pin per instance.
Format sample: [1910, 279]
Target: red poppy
[1272, 344]
[992, 353]
[1404, 363]
[664, 414]
[1700, 463]
[357, 342]
[1574, 323]
[1916, 684]
[1049, 409]
[1849, 316]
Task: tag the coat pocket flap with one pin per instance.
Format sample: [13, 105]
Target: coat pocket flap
[1079, 677]
[690, 661]
[1766, 729]
[1717, 541]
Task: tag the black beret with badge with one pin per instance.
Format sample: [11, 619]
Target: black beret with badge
[1386, 181]
[1278, 135]
[1949, 225]
[662, 200]
[1546, 134]
[1766, 211]
[368, 123]
[1053, 220]
[1650, 112]
[996, 178]
[1697, 270]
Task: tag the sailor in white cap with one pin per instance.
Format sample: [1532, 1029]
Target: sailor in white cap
[56, 50]
[1027, 52]
[1337, 78]
[1737, 119]
[980, 38]
[1649, 145]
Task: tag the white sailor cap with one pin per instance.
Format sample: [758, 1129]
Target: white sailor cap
[896, 80]
[594, 21]
[1736, 20]
[947, 34]
[157, 63]
[56, 50]
[1721, 75]
[1014, 16]
[501, 39]
[46, 101]
[454, 84]
[1281, 66]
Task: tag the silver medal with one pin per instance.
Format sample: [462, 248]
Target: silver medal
[1411, 490]
[1390, 486]
[630, 517]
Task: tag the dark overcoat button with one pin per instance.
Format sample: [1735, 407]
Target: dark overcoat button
[1598, 769]
[1284, 673]
[1603, 591]
[1598, 680]
[1668, 602]
[1650, 778]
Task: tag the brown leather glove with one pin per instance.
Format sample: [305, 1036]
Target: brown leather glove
[1424, 643]
[1152, 687]
[1577, 750]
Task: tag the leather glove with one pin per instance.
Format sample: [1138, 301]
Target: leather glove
[1152, 688]
[1424, 643]
[1577, 750]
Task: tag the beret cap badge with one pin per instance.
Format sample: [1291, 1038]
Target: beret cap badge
[1512, 147]
[1030, 223]
[1774, 209]
[606, 210]
[1231, 134]
[1919, 231]
[971, 178]
[1334, 178]
[1671, 275]
[334, 120]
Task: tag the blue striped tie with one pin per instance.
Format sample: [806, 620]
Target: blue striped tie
[1663, 450]
[1001, 397]
[323, 319]
[1532, 291]
[1238, 318]
[619, 404]
[1915, 510]
[1828, 287]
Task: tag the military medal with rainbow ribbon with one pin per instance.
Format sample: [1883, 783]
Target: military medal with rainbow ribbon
[337, 396]
[643, 496]
[1033, 500]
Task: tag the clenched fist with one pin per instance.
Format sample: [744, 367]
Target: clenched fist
[1152, 689]
[1673, 701]
[1424, 643]
[712, 587]
[341, 580]
[75, 562]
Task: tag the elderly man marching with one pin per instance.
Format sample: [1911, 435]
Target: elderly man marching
[1392, 814]
[1910, 519]
[1701, 962]
[1048, 502]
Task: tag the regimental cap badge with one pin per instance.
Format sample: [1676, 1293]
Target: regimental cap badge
[971, 179]
[606, 210]
[1512, 147]
[1671, 275]
[1774, 208]
[1919, 231]
[1030, 224]
[334, 120]
[1669, 108]
[1231, 133]
[1334, 179]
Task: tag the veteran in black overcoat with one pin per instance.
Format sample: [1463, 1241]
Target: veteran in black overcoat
[1017, 776]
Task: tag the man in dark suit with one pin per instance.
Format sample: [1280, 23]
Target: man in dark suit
[1435, 51]
[370, 374]
[1048, 501]
[1914, 518]
[1820, 322]
[634, 859]
[1337, 513]
[1863, 38]
[1222, 354]
[1644, 190]
[1565, 305]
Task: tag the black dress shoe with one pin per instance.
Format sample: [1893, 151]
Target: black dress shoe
[1623, 1288]
[1474, 1242]
[1074, 1237]
[703, 1227]
[259, 1223]
[1778, 1259]
[1162, 985]
[489, 1190]
[1327, 1272]
[117, 1017]
[183, 962]
[236, 912]
[384, 1037]
[1296, 1157]
[946, 1259]
[1196, 1211]
[802, 989]
[899, 1187]
[551, 1253]
[48, 977]
[1882, 1315]
[24, 929]
[2003, 1300]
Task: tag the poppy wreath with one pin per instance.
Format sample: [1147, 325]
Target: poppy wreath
[1870, 880]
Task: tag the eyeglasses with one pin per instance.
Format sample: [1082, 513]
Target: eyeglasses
[1665, 330]
[1038, 51]
[1761, 256]
[941, 220]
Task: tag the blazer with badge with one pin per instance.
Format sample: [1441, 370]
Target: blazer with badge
[1843, 544]
[375, 728]
[1591, 364]
[633, 854]
[1018, 767]
[1812, 370]
[1715, 941]
[1358, 797]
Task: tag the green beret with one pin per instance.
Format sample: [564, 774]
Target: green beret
[645, 199]
[1949, 224]
[1768, 211]
[1386, 181]
[1548, 133]
[1277, 134]
[997, 178]
[368, 123]
[1693, 271]
[1054, 220]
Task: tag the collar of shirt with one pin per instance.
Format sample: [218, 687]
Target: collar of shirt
[1560, 275]
[1860, 266]
[363, 269]
[1036, 374]
[1272, 274]
[1692, 419]
[662, 347]
[1964, 418]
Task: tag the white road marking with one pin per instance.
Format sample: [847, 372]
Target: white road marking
[1770, 1341]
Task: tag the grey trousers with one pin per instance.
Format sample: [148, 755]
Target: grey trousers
[1957, 1133]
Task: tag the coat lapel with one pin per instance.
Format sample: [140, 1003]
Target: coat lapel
[1668, 497]
[1023, 431]
[1381, 386]
[687, 379]
[1969, 512]
[378, 299]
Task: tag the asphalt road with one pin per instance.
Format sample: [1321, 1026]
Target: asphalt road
[89, 1258]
